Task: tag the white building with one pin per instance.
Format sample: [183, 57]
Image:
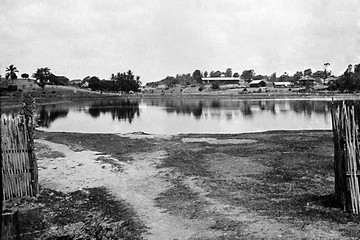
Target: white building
[283, 84]
[221, 80]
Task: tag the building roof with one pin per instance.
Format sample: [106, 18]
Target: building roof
[257, 81]
[221, 79]
[306, 78]
[283, 83]
[76, 81]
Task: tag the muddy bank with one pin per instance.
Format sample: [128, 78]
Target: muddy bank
[272, 185]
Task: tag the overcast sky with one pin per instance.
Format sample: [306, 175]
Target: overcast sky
[159, 38]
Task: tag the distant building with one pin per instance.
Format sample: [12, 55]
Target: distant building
[85, 85]
[222, 80]
[257, 83]
[330, 80]
[75, 82]
[307, 80]
[283, 84]
[161, 86]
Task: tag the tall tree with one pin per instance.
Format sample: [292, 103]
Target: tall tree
[307, 72]
[248, 75]
[94, 83]
[25, 75]
[273, 77]
[215, 74]
[228, 72]
[327, 70]
[11, 73]
[197, 76]
[357, 68]
[297, 75]
[42, 75]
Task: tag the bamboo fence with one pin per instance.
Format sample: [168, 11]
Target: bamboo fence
[18, 163]
[346, 157]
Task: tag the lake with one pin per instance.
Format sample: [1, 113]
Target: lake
[179, 115]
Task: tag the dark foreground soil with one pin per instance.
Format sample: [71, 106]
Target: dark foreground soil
[272, 185]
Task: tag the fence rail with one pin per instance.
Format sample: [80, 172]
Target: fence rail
[346, 157]
[19, 168]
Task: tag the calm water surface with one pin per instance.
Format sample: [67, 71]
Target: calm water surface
[172, 116]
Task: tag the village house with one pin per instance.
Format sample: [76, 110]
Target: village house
[283, 84]
[307, 80]
[75, 82]
[221, 80]
[257, 83]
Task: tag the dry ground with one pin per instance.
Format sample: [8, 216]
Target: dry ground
[273, 185]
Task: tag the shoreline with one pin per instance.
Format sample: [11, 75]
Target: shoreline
[41, 101]
[211, 186]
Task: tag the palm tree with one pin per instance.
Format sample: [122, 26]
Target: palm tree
[326, 69]
[130, 75]
[42, 75]
[11, 73]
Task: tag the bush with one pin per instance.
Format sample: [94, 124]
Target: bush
[215, 86]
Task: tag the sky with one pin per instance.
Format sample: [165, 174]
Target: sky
[159, 38]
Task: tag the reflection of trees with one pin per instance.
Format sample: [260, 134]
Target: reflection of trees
[309, 107]
[198, 110]
[123, 109]
[48, 114]
[215, 104]
[179, 106]
[247, 108]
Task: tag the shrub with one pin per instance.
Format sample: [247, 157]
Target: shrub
[215, 86]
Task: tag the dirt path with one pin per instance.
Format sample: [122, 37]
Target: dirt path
[139, 183]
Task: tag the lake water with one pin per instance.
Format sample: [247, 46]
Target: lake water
[173, 116]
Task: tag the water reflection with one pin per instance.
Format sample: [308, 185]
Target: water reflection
[195, 107]
[48, 114]
[178, 115]
[124, 109]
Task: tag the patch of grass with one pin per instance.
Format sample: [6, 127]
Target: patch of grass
[226, 224]
[112, 161]
[43, 150]
[95, 208]
[110, 144]
[180, 200]
[297, 185]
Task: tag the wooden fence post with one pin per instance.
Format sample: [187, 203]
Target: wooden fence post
[10, 226]
[346, 157]
[18, 162]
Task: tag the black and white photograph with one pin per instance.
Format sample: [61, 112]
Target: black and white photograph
[180, 119]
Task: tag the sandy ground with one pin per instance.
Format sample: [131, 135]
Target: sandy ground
[140, 182]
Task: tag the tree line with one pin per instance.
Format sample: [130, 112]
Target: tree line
[120, 82]
[42, 75]
[349, 81]
[125, 81]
